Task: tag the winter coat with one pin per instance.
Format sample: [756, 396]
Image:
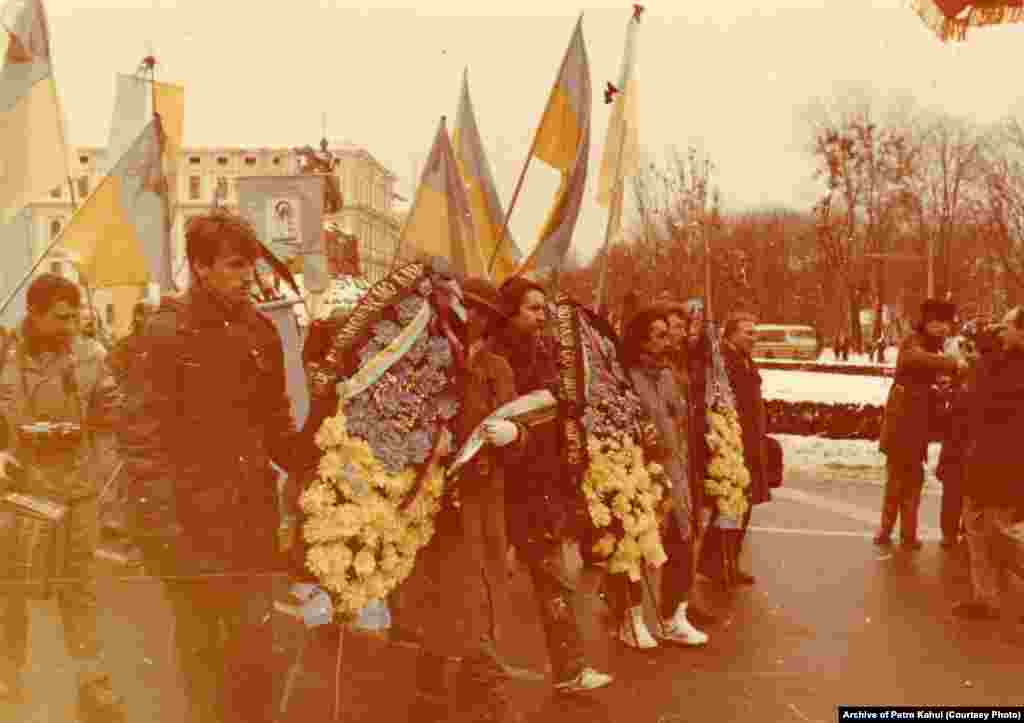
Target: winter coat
[199, 434]
[543, 507]
[995, 467]
[911, 418]
[73, 384]
[667, 406]
[745, 380]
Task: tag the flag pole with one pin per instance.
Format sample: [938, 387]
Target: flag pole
[614, 215]
[529, 157]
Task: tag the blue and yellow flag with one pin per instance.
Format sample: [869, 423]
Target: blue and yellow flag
[440, 222]
[563, 142]
[122, 231]
[484, 203]
[33, 156]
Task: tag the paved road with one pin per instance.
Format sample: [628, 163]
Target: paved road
[832, 620]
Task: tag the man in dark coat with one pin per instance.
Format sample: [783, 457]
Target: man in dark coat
[994, 480]
[912, 419]
[738, 339]
[198, 438]
[544, 510]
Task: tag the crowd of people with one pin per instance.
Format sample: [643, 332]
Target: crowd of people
[196, 395]
[971, 402]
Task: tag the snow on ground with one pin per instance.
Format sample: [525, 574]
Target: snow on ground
[839, 459]
[823, 387]
[828, 357]
[845, 459]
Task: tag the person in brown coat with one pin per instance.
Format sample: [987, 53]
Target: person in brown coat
[994, 479]
[911, 419]
[477, 530]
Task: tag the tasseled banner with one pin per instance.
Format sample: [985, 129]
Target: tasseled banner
[950, 19]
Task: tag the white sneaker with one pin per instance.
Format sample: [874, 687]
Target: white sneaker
[679, 630]
[587, 679]
[634, 632]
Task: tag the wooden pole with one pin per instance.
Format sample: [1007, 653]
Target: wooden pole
[529, 157]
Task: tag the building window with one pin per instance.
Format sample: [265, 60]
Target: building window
[222, 186]
[84, 160]
[55, 227]
[111, 314]
[194, 160]
[55, 267]
[56, 192]
[250, 161]
[276, 161]
[222, 160]
[194, 188]
[83, 186]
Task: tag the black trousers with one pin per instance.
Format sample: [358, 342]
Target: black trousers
[224, 643]
[952, 507]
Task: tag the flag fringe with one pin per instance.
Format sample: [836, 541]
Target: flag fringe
[955, 29]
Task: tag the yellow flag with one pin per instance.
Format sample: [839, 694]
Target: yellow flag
[563, 142]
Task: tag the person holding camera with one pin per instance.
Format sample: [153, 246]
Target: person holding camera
[913, 418]
[55, 395]
[994, 469]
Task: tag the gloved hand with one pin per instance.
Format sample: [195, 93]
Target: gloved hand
[500, 432]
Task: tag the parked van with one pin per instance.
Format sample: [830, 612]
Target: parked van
[785, 341]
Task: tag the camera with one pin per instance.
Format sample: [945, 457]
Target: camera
[50, 437]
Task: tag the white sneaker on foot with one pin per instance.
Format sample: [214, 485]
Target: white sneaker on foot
[586, 680]
[679, 630]
[634, 632]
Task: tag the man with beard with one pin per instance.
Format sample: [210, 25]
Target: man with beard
[543, 508]
[199, 436]
[912, 419]
[49, 379]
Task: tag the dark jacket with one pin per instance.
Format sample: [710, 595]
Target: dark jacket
[911, 418]
[199, 433]
[995, 467]
[745, 380]
[542, 506]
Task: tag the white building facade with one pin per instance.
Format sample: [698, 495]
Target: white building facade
[368, 189]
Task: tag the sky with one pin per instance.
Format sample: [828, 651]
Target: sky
[729, 76]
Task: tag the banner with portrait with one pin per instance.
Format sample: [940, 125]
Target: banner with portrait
[287, 213]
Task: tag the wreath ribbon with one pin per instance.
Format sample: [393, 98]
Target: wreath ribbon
[368, 374]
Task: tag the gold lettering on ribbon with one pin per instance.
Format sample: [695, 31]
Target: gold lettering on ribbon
[380, 296]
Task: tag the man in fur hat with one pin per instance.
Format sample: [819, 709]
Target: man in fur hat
[912, 419]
